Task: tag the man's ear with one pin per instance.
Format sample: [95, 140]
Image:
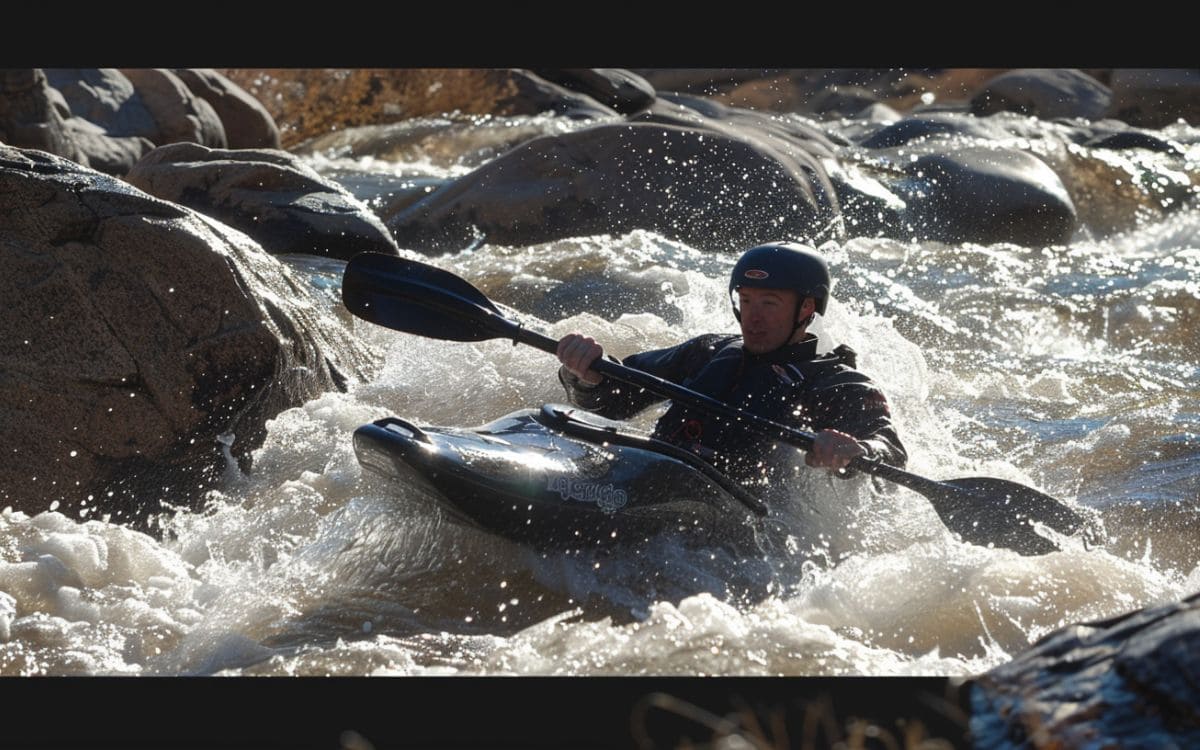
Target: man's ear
[807, 308]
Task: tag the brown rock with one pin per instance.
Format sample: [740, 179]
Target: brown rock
[246, 121]
[311, 102]
[178, 114]
[136, 332]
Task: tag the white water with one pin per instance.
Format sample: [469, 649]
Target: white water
[1073, 369]
[308, 566]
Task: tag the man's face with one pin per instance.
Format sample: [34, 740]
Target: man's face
[768, 318]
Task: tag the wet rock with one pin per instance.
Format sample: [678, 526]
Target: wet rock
[842, 101]
[1155, 98]
[178, 114]
[246, 121]
[533, 95]
[930, 125]
[270, 195]
[1044, 93]
[136, 334]
[987, 195]
[1131, 681]
[717, 179]
[1133, 138]
[34, 115]
[624, 92]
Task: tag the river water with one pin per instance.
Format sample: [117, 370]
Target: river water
[1073, 368]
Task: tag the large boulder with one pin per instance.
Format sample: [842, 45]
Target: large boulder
[270, 195]
[707, 189]
[138, 337]
[246, 121]
[1044, 93]
[1131, 681]
[109, 122]
[987, 195]
[106, 98]
[178, 114]
[33, 114]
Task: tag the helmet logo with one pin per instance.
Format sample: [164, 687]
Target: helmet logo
[754, 273]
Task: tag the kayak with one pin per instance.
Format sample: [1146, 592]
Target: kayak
[559, 478]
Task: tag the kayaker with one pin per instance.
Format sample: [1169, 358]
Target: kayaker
[772, 369]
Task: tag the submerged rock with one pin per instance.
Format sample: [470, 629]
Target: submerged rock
[138, 335]
[1131, 681]
[270, 195]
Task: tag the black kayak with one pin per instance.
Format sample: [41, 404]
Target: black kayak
[561, 478]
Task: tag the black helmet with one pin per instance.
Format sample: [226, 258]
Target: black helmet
[783, 265]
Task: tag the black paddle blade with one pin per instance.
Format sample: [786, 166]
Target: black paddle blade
[984, 511]
[417, 298]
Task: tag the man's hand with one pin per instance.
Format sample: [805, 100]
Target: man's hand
[834, 450]
[578, 352]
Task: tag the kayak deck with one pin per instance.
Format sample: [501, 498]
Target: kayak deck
[553, 480]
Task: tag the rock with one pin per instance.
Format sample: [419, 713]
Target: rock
[878, 113]
[246, 121]
[34, 115]
[136, 334]
[270, 195]
[1043, 93]
[1130, 681]
[105, 153]
[533, 95]
[929, 125]
[109, 123]
[1155, 98]
[178, 114]
[988, 195]
[1126, 139]
[309, 103]
[716, 185]
[842, 101]
[106, 98]
[626, 93]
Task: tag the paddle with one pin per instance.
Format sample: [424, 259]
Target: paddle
[418, 298]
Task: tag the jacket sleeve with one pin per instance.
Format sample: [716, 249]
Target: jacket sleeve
[616, 400]
[849, 402]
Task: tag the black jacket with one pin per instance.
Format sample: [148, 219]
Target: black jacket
[792, 385]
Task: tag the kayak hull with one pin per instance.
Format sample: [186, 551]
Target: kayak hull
[557, 479]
